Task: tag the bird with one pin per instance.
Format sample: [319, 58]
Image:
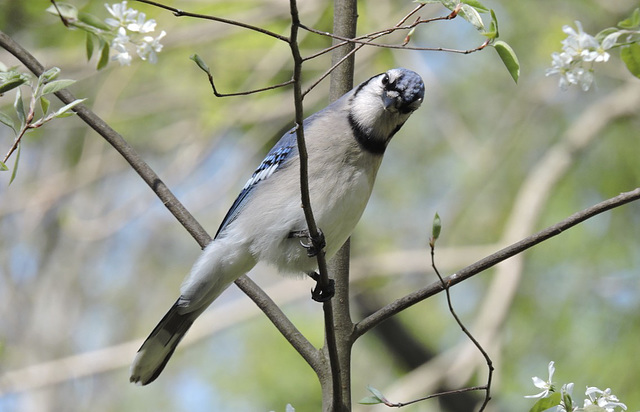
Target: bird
[345, 144]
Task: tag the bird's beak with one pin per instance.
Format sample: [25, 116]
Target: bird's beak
[387, 101]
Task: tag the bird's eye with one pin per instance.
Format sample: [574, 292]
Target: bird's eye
[385, 80]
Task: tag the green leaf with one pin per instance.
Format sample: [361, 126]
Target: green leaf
[492, 33]
[11, 84]
[376, 393]
[56, 85]
[93, 21]
[7, 121]
[369, 400]
[68, 11]
[469, 10]
[62, 112]
[19, 106]
[44, 104]
[472, 16]
[632, 22]
[481, 8]
[509, 58]
[201, 64]
[436, 227]
[568, 401]
[14, 172]
[104, 56]
[546, 403]
[630, 55]
[11, 78]
[89, 46]
[50, 74]
[3, 167]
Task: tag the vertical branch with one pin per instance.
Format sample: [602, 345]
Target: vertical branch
[345, 17]
[336, 403]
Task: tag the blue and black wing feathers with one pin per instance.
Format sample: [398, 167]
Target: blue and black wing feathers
[274, 160]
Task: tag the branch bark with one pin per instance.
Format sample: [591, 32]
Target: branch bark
[345, 15]
[492, 260]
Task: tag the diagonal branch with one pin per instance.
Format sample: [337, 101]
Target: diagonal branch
[302, 345]
[492, 260]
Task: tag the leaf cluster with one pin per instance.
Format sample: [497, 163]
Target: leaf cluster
[39, 106]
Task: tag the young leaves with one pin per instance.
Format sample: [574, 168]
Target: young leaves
[26, 114]
[470, 10]
[509, 58]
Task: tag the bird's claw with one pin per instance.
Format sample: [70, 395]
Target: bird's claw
[322, 293]
[313, 246]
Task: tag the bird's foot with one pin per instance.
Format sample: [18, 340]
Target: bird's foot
[313, 245]
[322, 293]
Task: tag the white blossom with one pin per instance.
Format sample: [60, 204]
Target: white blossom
[122, 14]
[119, 44]
[131, 27]
[580, 51]
[546, 386]
[149, 47]
[603, 398]
[141, 25]
[579, 44]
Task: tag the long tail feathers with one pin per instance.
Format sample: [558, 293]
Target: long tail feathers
[156, 351]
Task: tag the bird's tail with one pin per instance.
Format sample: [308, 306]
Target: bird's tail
[156, 351]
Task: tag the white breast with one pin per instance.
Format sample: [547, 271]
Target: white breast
[339, 189]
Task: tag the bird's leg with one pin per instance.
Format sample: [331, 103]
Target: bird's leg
[322, 293]
[313, 245]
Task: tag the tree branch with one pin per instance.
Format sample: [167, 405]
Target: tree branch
[491, 260]
[315, 237]
[180, 13]
[485, 355]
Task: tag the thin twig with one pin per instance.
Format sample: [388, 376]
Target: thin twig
[245, 93]
[316, 238]
[366, 41]
[373, 35]
[351, 53]
[447, 286]
[435, 395]
[64, 19]
[16, 143]
[480, 266]
[181, 13]
[331, 69]
[25, 127]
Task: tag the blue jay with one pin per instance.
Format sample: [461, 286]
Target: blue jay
[345, 143]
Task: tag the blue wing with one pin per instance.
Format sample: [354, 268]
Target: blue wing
[284, 150]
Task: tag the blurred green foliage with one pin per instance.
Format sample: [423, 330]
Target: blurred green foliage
[90, 259]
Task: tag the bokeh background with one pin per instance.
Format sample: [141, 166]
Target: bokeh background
[90, 259]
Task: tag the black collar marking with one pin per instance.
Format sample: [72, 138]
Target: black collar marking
[366, 140]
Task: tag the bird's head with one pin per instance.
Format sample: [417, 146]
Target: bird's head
[401, 90]
[382, 104]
